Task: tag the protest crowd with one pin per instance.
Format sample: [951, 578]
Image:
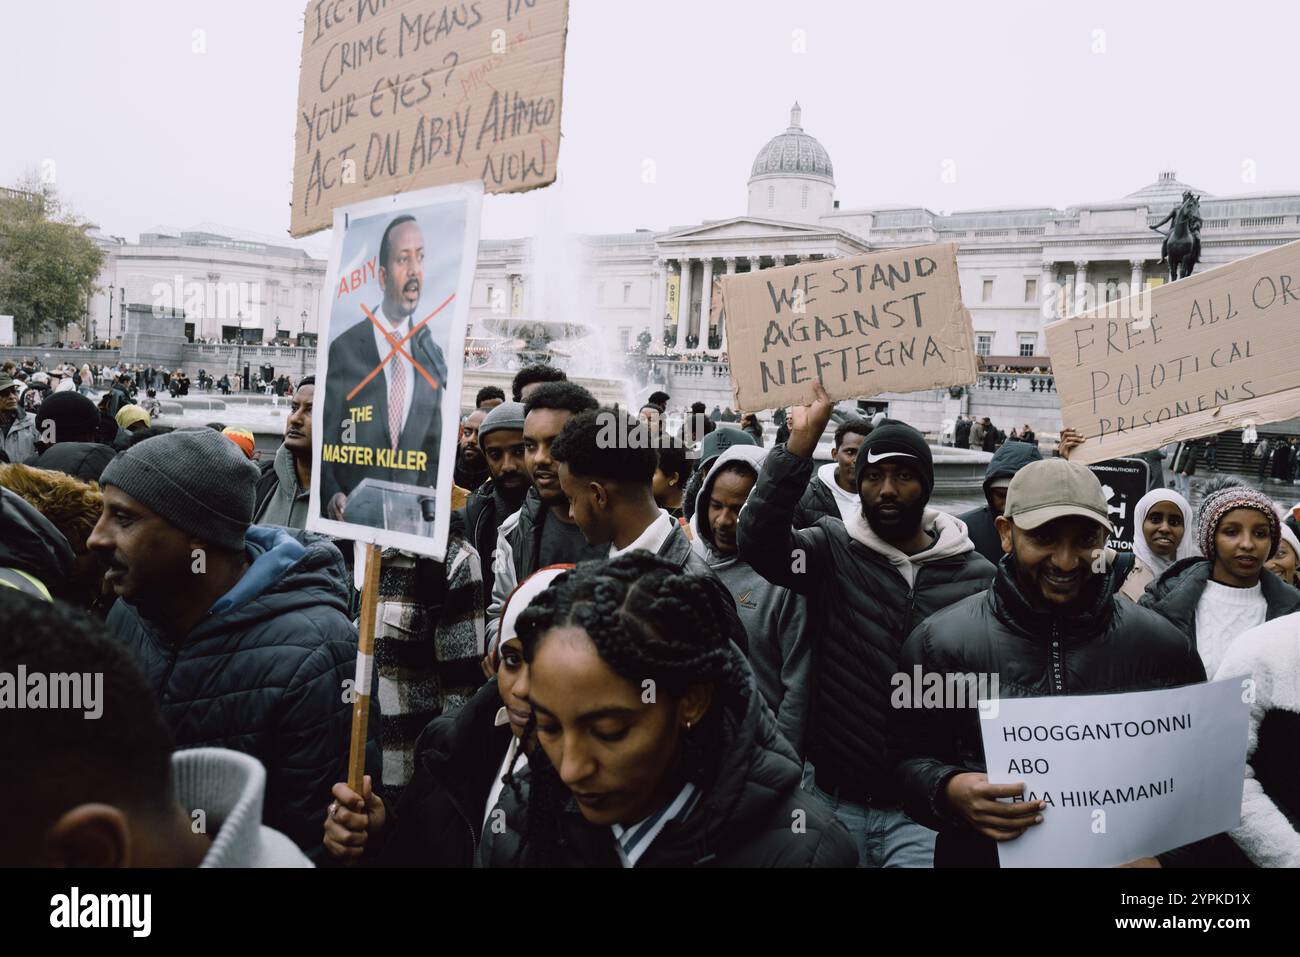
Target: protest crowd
[678, 652]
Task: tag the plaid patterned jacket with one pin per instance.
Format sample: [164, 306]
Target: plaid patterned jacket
[428, 647]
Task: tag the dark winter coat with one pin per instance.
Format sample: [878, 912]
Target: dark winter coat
[82, 460]
[743, 819]
[1113, 646]
[1176, 593]
[30, 543]
[484, 511]
[817, 502]
[860, 610]
[264, 673]
[1006, 462]
[439, 819]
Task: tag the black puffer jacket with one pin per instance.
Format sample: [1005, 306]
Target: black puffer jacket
[439, 819]
[860, 610]
[1006, 462]
[83, 460]
[265, 675]
[484, 511]
[1174, 594]
[30, 543]
[743, 819]
[817, 502]
[1112, 647]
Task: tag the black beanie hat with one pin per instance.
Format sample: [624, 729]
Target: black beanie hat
[889, 440]
[75, 417]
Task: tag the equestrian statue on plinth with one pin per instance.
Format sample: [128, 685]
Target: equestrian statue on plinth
[1182, 245]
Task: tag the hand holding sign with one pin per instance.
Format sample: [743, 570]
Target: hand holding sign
[1070, 440]
[808, 422]
[971, 796]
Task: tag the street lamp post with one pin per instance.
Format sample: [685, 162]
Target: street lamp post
[239, 351]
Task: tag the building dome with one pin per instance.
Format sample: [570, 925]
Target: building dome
[793, 153]
[1166, 189]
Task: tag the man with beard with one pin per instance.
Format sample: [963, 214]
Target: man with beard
[1050, 624]
[471, 469]
[542, 532]
[396, 416]
[284, 489]
[501, 443]
[241, 630]
[868, 580]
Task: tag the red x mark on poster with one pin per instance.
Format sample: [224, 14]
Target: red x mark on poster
[397, 347]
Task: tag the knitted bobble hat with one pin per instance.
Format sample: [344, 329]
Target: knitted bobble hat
[1220, 503]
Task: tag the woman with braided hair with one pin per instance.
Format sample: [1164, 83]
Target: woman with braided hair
[461, 762]
[654, 748]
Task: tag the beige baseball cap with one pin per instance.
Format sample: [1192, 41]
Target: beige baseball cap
[1054, 488]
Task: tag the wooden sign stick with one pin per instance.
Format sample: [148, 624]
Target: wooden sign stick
[365, 663]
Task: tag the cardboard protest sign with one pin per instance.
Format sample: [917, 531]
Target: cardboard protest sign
[1124, 482]
[395, 95]
[388, 380]
[863, 325]
[1125, 776]
[1191, 358]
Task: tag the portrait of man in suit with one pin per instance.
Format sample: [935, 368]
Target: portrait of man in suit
[387, 376]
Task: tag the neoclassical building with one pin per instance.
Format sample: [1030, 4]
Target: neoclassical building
[227, 288]
[1011, 259]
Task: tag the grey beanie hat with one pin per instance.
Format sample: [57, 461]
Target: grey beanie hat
[196, 479]
[508, 415]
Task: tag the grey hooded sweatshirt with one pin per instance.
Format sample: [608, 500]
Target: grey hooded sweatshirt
[775, 618]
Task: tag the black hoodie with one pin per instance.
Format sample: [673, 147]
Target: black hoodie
[1006, 462]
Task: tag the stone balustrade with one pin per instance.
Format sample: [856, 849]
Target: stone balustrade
[1015, 382]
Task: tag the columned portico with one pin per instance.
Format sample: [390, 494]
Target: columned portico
[684, 305]
[657, 297]
[730, 263]
[1081, 300]
[1045, 291]
[706, 302]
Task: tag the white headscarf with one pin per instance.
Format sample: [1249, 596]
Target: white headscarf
[1186, 547]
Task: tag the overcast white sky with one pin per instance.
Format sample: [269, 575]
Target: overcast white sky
[1035, 103]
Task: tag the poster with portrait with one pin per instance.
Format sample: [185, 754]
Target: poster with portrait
[389, 367]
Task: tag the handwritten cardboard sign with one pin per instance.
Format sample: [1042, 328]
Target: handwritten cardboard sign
[1205, 354]
[863, 325]
[395, 95]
